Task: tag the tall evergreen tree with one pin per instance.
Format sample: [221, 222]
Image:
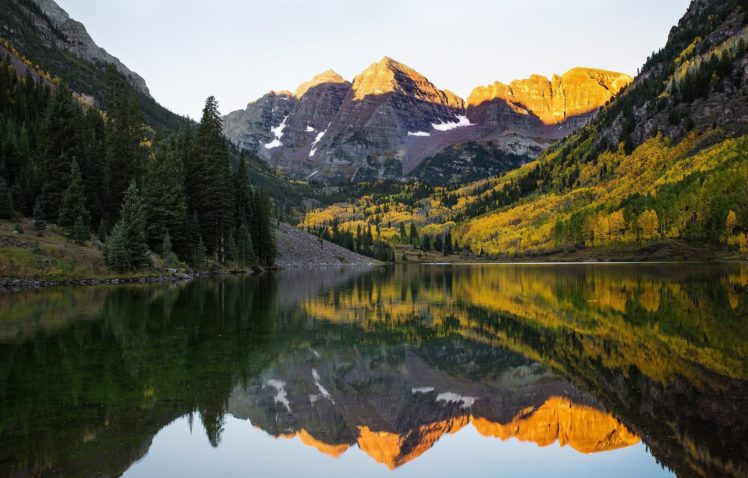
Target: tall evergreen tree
[245, 250]
[80, 232]
[413, 233]
[61, 137]
[6, 201]
[132, 217]
[447, 248]
[93, 164]
[39, 223]
[263, 238]
[165, 198]
[73, 207]
[212, 195]
[117, 249]
[242, 193]
[167, 254]
[125, 154]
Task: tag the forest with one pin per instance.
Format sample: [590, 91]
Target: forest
[104, 177]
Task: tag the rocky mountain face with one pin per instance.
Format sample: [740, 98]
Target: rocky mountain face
[62, 32]
[42, 34]
[524, 111]
[390, 118]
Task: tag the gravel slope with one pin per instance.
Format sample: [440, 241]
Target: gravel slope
[297, 248]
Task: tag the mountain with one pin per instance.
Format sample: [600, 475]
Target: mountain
[659, 172]
[391, 118]
[42, 34]
[540, 107]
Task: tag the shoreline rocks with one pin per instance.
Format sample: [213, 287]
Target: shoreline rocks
[14, 285]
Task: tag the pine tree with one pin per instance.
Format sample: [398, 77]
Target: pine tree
[242, 193]
[167, 254]
[438, 243]
[116, 249]
[413, 234]
[192, 236]
[165, 198]
[448, 244]
[426, 243]
[80, 232]
[6, 201]
[73, 208]
[263, 238]
[245, 251]
[93, 165]
[125, 154]
[39, 223]
[212, 195]
[61, 144]
[200, 255]
[132, 216]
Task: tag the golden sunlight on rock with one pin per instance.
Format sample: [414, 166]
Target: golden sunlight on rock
[388, 76]
[326, 77]
[577, 92]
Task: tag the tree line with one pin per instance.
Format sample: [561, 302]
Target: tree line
[89, 171]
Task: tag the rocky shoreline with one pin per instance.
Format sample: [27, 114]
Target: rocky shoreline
[15, 285]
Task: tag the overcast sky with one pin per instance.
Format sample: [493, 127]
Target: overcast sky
[237, 50]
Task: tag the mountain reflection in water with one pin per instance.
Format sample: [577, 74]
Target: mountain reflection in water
[593, 358]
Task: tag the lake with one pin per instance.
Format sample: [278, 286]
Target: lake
[614, 370]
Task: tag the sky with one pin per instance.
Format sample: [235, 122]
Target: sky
[238, 50]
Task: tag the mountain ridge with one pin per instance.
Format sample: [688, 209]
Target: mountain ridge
[390, 118]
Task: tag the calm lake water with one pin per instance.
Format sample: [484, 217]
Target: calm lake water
[417, 371]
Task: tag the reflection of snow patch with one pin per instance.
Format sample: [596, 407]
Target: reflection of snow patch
[313, 399]
[280, 392]
[316, 354]
[317, 140]
[422, 390]
[461, 122]
[418, 133]
[321, 389]
[449, 397]
[278, 133]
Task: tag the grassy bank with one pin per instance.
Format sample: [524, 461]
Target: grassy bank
[49, 256]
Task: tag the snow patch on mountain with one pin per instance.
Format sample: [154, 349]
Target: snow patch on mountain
[462, 121]
[417, 390]
[278, 133]
[317, 140]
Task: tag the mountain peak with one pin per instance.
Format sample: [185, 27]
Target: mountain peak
[390, 76]
[76, 39]
[578, 92]
[327, 76]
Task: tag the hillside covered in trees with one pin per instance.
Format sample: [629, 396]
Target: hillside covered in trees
[101, 178]
[664, 162]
